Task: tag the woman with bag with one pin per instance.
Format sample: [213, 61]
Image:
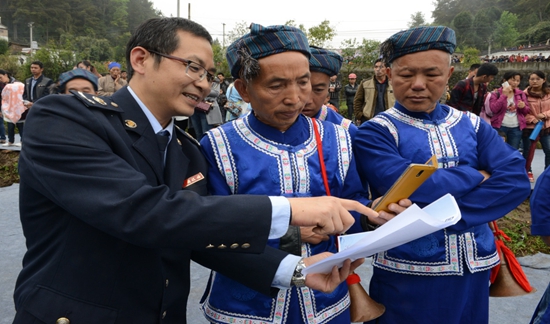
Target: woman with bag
[538, 95]
[235, 106]
[509, 106]
[12, 106]
[207, 113]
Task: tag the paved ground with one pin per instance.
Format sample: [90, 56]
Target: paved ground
[12, 247]
[12, 147]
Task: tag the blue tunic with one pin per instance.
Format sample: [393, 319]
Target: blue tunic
[540, 216]
[332, 116]
[247, 156]
[463, 144]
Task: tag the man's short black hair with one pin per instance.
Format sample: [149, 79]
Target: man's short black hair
[161, 35]
[38, 63]
[487, 69]
[223, 75]
[474, 66]
[380, 60]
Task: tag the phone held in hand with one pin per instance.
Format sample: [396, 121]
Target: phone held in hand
[408, 182]
[505, 84]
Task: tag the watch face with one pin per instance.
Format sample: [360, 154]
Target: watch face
[298, 278]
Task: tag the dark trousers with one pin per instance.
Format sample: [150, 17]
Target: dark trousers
[11, 131]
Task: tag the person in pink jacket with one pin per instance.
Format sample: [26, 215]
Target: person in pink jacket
[538, 95]
[509, 106]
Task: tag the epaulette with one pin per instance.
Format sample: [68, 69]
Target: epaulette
[193, 140]
[94, 101]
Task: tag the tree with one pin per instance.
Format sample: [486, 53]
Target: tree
[358, 56]
[3, 46]
[293, 24]
[238, 31]
[463, 25]
[417, 20]
[471, 56]
[321, 34]
[506, 32]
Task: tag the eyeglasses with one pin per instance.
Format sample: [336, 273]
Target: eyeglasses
[193, 70]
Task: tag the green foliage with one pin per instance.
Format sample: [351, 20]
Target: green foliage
[358, 56]
[240, 29]
[538, 33]
[3, 46]
[417, 20]
[506, 32]
[55, 60]
[480, 23]
[219, 59]
[463, 24]
[471, 56]
[321, 34]
[12, 65]
[99, 19]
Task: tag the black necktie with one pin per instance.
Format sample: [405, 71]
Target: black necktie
[162, 139]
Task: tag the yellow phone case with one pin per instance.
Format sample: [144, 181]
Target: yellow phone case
[408, 182]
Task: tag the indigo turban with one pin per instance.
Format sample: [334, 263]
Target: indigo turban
[416, 40]
[264, 41]
[114, 64]
[74, 74]
[325, 61]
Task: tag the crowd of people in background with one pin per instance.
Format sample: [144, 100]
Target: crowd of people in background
[513, 58]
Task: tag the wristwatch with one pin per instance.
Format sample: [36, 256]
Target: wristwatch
[298, 278]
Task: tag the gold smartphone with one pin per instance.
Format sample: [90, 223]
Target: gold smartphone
[408, 182]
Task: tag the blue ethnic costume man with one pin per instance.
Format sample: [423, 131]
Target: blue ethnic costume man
[274, 150]
[323, 64]
[442, 277]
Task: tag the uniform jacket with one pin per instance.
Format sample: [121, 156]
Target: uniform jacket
[109, 235]
[365, 99]
[392, 140]
[107, 85]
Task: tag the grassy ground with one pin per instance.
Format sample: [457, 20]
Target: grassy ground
[516, 224]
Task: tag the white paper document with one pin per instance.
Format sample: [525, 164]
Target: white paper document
[408, 226]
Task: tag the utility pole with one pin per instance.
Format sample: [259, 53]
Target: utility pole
[223, 35]
[30, 26]
[179, 8]
[189, 11]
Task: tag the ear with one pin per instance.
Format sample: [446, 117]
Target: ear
[388, 73]
[241, 87]
[138, 59]
[451, 70]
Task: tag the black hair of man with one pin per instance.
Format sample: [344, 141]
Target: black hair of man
[487, 69]
[38, 63]
[474, 66]
[221, 73]
[380, 60]
[3, 72]
[161, 35]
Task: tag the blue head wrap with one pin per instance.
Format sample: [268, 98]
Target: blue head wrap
[114, 64]
[416, 40]
[76, 73]
[264, 41]
[325, 61]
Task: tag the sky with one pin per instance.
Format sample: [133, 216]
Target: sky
[357, 19]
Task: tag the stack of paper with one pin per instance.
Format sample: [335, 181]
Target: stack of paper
[408, 226]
